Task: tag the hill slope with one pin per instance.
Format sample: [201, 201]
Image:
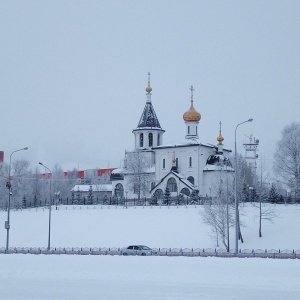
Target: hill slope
[97, 226]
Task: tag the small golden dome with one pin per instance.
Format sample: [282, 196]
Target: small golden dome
[220, 139]
[191, 115]
[148, 89]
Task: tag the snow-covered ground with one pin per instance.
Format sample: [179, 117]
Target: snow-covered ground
[61, 277]
[159, 227]
[26, 276]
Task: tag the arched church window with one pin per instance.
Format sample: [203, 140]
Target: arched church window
[185, 191]
[158, 139]
[141, 140]
[191, 179]
[188, 129]
[172, 185]
[164, 163]
[119, 190]
[150, 137]
[158, 194]
[190, 162]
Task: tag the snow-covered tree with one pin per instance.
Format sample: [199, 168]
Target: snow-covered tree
[215, 214]
[19, 172]
[167, 195]
[138, 165]
[90, 197]
[287, 158]
[273, 195]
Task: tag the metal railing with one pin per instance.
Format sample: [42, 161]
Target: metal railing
[190, 252]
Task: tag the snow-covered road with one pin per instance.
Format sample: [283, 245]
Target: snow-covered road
[30, 277]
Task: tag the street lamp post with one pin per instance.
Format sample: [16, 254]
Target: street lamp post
[49, 230]
[235, 191]
[227, 210]
[8, 185]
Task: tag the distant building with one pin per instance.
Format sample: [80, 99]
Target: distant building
[99, 190]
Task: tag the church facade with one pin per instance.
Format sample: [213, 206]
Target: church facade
[153, 168]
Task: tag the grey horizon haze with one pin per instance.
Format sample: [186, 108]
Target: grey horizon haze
[73, 74]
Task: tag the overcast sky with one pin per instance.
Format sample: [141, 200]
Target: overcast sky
[73, 74]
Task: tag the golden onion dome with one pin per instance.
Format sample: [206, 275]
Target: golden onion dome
[148, 89]
[220, 138]
[191, 115]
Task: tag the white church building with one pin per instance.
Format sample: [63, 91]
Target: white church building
[153, 167]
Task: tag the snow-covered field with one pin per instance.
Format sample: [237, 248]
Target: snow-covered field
[159, 227]
[25, 276]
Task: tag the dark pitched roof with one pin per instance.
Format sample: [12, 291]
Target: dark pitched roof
[179, 176]
[149, 118]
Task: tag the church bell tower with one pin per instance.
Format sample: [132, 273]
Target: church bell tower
[148, 133]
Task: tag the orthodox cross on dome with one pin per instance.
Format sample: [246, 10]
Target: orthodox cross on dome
[149, 88]
[220, 138]
[192, 93]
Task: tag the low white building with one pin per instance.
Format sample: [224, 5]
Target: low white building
[152, 167]
[99, 190]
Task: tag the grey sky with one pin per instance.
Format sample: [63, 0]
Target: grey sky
[73, 74]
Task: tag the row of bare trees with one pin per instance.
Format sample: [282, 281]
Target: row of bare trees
[32, 188]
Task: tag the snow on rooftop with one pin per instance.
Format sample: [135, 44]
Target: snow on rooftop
[188, 142]
[95, 187]
[118, 171]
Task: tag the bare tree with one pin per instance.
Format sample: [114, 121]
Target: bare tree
[19, 172]
[104, 178]
[219, 215]
[71, 179]
[138, 164]
[265, 212]
[244, 178]
[287, 157]
[36, 187]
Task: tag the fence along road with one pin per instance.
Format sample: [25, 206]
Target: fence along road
[197, 252]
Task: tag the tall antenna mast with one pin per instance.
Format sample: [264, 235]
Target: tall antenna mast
[251, 149]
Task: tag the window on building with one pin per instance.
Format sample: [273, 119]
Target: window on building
[150, 137]
[191, 179]
[135, 188]
[196, 130]
[190, 162]
[141, 140]
[158, 139]
[188, 129]
[185, 191]
[164, 163]
[119, 190]
[172, 185]
[158, 194]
